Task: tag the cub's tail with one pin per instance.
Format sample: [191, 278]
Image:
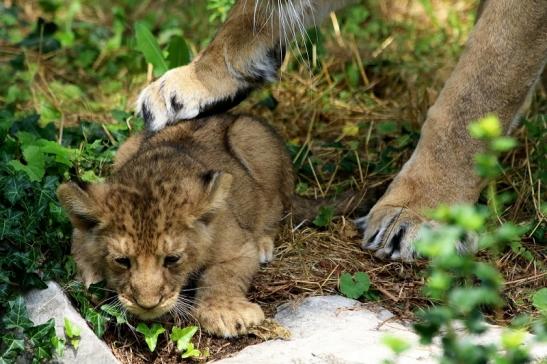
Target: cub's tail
[306, 209]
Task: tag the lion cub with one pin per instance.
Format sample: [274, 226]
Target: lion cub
[204, 199]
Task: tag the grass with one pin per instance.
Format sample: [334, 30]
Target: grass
[351, 116]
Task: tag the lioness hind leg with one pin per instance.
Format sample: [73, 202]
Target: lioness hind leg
[246, 52]
[504, 57]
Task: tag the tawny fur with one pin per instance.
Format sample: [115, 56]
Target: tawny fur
[503, 59]
[210, 193]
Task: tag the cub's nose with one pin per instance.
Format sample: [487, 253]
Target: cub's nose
[147, 303]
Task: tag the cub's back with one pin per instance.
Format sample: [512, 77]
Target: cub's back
[243, 146]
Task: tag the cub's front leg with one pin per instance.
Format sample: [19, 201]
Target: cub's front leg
[222, 307]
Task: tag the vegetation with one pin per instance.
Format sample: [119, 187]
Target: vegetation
[350, 102]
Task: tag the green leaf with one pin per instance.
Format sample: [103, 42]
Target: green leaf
[387, 127]
[147, 44]
[17, 316]
[324, 217]
[115, 312]
[73, 332]
[486, 128]
[40, 337]
[58, 345]
[464, 300]
[438, 243]
[539, 300]
[511, 339]
[62, 154]
[12, 346]
[397, 345]
[150, 334]
[14, 187]
[354, 287]
[178, 53]
[182, 336]
[191, 352]
[36, 163]
[97, 320]
[503, 144]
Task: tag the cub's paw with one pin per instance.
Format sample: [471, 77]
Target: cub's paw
[265, 249]
[391, 232]
[181, 94]
[228, 316]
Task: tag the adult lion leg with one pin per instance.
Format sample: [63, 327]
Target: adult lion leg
[246, 52]
[504, 57]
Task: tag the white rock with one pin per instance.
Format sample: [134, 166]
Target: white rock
[53, 303]
[337, 330]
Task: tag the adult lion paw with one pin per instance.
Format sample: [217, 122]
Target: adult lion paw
[227, 316]
[392, 231]
[181, 94]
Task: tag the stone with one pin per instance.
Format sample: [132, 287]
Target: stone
[53, 303]
[338, 330]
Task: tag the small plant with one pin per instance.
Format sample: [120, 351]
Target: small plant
[72, 332]
[461, 286]
[150, 334]
[356, 286]
[182, 338]
[115, 312]
[324, 217]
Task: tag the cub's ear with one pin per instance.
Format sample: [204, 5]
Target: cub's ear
[81, 207]
[217, 186]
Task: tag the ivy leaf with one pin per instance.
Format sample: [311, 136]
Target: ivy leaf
[147, 44]
[13, 346]
[73, 333]
[40, 337]
[17, 315]
[191, 352]
[150, 334]
[354, 287]
[37, 333]
[539, 300]
[114, 312]
[324, 216]
[59, 345]
[14, 188]
[97, 320]
[182, 336]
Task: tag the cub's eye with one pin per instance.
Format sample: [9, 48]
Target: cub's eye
[124, 262]
[171, 260]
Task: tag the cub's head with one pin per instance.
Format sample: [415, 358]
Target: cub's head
[145, 239]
